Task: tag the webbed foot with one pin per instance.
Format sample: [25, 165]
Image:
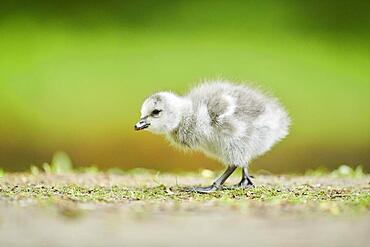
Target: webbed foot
[208, 189]
[246, 184]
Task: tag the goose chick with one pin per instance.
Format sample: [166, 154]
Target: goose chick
[230, 122]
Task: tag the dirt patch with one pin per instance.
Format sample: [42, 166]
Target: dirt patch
[147, 209]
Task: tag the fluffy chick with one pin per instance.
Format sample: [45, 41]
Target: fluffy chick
[233, 123]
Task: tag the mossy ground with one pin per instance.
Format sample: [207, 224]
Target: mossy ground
[316, 192]
[142, 197]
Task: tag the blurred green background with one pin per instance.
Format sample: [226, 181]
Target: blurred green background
[73, 75]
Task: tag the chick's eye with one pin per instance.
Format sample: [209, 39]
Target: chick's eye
[156, 112]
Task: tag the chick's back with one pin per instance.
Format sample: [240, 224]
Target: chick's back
[239, 111]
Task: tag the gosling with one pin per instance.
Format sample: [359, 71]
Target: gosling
[232, 123]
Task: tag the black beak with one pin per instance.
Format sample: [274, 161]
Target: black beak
[142, 124]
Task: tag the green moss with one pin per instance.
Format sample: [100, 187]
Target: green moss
[334, 199]
[342, 190]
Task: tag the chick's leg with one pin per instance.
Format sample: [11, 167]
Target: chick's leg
[246, 181]
[218, 183]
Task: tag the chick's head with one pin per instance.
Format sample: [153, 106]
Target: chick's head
[160, 113]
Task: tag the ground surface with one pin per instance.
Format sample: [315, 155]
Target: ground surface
[148, 209]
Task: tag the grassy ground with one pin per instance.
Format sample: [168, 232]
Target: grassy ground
[143, 208]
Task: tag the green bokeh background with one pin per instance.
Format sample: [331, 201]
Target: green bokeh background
[73, 75]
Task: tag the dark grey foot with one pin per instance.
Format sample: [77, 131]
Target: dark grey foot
[217, 184]
[208, 189]
[244, 186]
